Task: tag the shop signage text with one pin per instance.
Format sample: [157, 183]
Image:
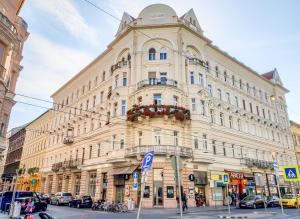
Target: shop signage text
[235, 175]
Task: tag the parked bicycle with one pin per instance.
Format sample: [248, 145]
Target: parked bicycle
[110, 207]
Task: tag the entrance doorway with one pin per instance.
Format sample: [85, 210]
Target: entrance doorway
[158, 195]
[119, 194]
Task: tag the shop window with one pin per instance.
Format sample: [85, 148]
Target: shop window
[170, 191]
[92, 184]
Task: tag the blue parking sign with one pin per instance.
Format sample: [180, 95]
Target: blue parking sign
[135, 186]
[147, 162]
[226, 179]
[135, 175]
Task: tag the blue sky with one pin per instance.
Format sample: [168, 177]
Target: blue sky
[65, 35]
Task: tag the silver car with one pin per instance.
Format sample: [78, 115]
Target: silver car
[61, 198]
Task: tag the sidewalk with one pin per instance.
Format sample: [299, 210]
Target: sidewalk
[3, 216]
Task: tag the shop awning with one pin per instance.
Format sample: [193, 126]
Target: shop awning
[123, 170]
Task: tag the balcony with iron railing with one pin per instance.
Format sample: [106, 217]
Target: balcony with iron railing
[156, 111]
[195, 61]
[167, 150]
[157, 82]
[261, 164]
[120, 64]
[68, 164]
[7, 23]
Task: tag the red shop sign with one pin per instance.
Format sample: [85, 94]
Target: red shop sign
[235, 175]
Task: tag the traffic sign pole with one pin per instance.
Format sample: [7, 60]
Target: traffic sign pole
[276, 167]
[179, 184]
[228, 200]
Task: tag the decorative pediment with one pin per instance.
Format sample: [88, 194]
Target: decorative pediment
[126, 19]
[190, 17]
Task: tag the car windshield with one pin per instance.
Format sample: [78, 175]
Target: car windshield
[24, 194]
[288, 197]
[66, 194]
[249, 198]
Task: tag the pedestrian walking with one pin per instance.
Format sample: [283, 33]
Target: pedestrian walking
[184, 202]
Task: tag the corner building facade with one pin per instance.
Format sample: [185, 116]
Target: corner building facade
[162, 85]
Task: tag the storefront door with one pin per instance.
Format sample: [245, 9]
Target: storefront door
[119, 194]
[158, 195]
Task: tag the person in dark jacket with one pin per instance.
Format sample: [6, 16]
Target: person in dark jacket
[184, 202]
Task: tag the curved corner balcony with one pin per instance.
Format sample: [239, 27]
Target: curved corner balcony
[153, 111]
[7, 23]
[168, 150]
[157, 82]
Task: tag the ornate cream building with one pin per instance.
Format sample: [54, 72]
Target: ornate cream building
[295, 128]
[162, 85]
[13, 34]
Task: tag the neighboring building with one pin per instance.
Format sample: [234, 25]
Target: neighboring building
[13, 33]
[14, 153]
[34, 152]
[162, 85]
[295, 128]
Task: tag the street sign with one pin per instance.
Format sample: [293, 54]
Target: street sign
[147, 162]
[135, 186]
[291, 173]
[226, 179]
[135, 175]
[276, 166]
[215, 177]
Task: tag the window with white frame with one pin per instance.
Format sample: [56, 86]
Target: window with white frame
[202, 107]
[101, 96]
[163, 55]
[195, 141]
[228, 97]
[193, 104]
[236, 101]
[212, 116]
[230, 122]
[219, 92]
[209, 89]
[192, 78]
[124, 81]
[175, 100]
[151, 54]
[123, 108]
[163, 77]
[221, 119]
[214, 146]
[157, 100]
[157, 136]
[201, 80]
[204, 141]
[176, 142]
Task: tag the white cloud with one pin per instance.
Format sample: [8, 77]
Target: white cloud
[48, 65]
[69, 16]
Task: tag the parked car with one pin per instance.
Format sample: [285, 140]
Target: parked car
[61, 198]
[289, 200]
[272, 201]
[253, 201]
[81, 201]
[23, 197]
[47, 197]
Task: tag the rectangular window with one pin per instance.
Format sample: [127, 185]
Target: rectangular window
[123, 110]
[224, 148]
[241, 84]
[2, 48]
[94, 100]
[236, 101]
[87, 104]
[99, 150]
[212, 116]
[193, 104]
[244, 104]
[157, 100]
[264, 114]
[196, 142]
[228, 97]
[219, 94]
[163, 56]
[90, 152]
[239, 125]
[232, 147]
[233, 80]
[140, 137]
[202, 107]
[176, 138]
[157, 137]
[124, 81]
[101, 96]
[163, 77]
[221, 119]
[192, 79]
[209, 89]
[201, 81]
[122, 143]
[103, 76]
[214, 147]
[175, 100]
[225, 76]
[250, 105]
[92, 184]
[230, 122]
[257, 110]
[205, 141]
[248, 88]
[115, 109]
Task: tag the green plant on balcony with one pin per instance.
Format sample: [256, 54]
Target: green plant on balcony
[33, 170]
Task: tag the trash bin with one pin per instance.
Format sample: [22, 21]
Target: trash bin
[16, 210]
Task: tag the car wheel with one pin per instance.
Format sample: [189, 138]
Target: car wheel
[78, 205]
[254, 206]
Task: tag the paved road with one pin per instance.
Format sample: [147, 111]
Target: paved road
[64, 212]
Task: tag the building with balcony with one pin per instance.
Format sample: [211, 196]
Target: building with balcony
[295, 128]
[13, 34]
[34, 152]
[161, 85]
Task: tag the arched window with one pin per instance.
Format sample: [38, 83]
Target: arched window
[152, 54]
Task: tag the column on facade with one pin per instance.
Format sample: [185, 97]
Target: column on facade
[45, 187]
[84, 182]
[54, 184]
[110, 187]
[188, 186]
[99, 184]
[71, 183]
[169, 183]
[63, 187]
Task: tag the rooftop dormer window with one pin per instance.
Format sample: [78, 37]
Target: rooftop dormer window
[152, 54]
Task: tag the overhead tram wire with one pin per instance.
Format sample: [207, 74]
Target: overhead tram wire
[208, 140]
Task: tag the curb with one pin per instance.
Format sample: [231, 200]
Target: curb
[231, 217]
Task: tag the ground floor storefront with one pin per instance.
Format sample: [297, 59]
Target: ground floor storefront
[30, 183]
[203, 186]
